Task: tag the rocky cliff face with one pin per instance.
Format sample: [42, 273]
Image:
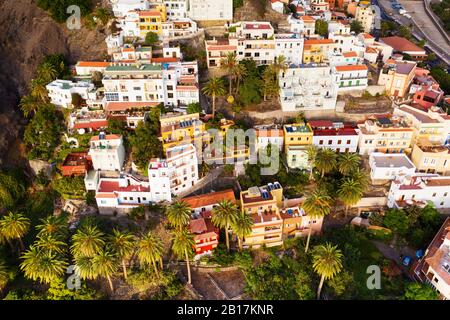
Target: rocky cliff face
[28, 34]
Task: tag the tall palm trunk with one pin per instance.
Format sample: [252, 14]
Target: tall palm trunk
[124, 267]
[319, 289]
[227, 236]
[231, 83]
[22, 247]
[155, 267]
[238, 84]
[161, 263]
[240, 243]
[110, 284]
[311, 173]
[346, 210]
[214, 105]
[308, 239]
[188, 267]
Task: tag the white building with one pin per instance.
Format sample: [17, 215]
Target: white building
[87, 68]
[366, 15]
[289, 45]
[107, 152]
[181, 28]
[60, 91]
[269, 135]
[343, 59]
[255, 41]
[389, 166]
[121, 194]
[177, 173]
[171, 83]
[210, 10]
[131, 54]
[334, 136]
[176, 9]
[114, 42]
[434, 267]
[344, 42]
[277, 6]
[337, 27]
[351, 78]
[308, 87]
[420, 188]
[121, 7]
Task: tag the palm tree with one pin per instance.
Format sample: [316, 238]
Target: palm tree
[28, 105]
[223, 216]
[311, 153]
[103, 15]
[279, 64]
[84, 268]
[14, 226]
[327, 262]
[362, 178]
[38, 89]
[87, 241]
[105, 265]
[349, 192]
[269, 84]
[123, 244]
[183, 243]
[52, 225]
[348, 163]
[179, 214]
[214, 88]
[326, 161]
[47, 72]
[242, 226]
[229, 64]
[240, 71]
[44, 266]
[317, 205]
[50, 243]
[150, 250]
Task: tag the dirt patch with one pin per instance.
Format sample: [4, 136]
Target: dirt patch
[231, 282]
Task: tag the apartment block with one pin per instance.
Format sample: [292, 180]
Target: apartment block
[434, 267]
[178, 172]
[61, 92]
[206, 236]
[386, 135]
[388, 166]
[304, 25]
[210, 10]
[397, 77]
[335, 136]
[419, 189]
[269, 135]
[180, 128]
[308, 87]
[432, 125]
[430, 157]
[290, 46]
[297, 223]
[171, 83]
[122, 7]
[107, 152]
[296, 138]
[366, 15]
[262, 204]
[317, 50]
[351, 78]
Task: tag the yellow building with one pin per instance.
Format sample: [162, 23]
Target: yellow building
[178, 128]
[431, 158]
[151, 20]
[296, 138]
[386, 135]
[396, 77]
[316, 50]
[262, 204]
[432, 125]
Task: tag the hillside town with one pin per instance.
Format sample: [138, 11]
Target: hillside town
[219, 145]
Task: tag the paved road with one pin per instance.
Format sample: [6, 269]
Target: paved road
[423, 25]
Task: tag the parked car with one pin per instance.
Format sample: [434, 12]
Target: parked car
[406, 261]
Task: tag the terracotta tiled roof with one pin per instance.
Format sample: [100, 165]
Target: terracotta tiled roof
[94, 64]
[349, 54]
[210, 198]
[402, 44]
[351, 68]
[122, 106]
[107, 137]
[319, 41]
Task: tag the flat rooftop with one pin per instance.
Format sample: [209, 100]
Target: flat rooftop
[392, 161]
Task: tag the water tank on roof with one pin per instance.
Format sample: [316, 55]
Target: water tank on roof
[165, 66]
